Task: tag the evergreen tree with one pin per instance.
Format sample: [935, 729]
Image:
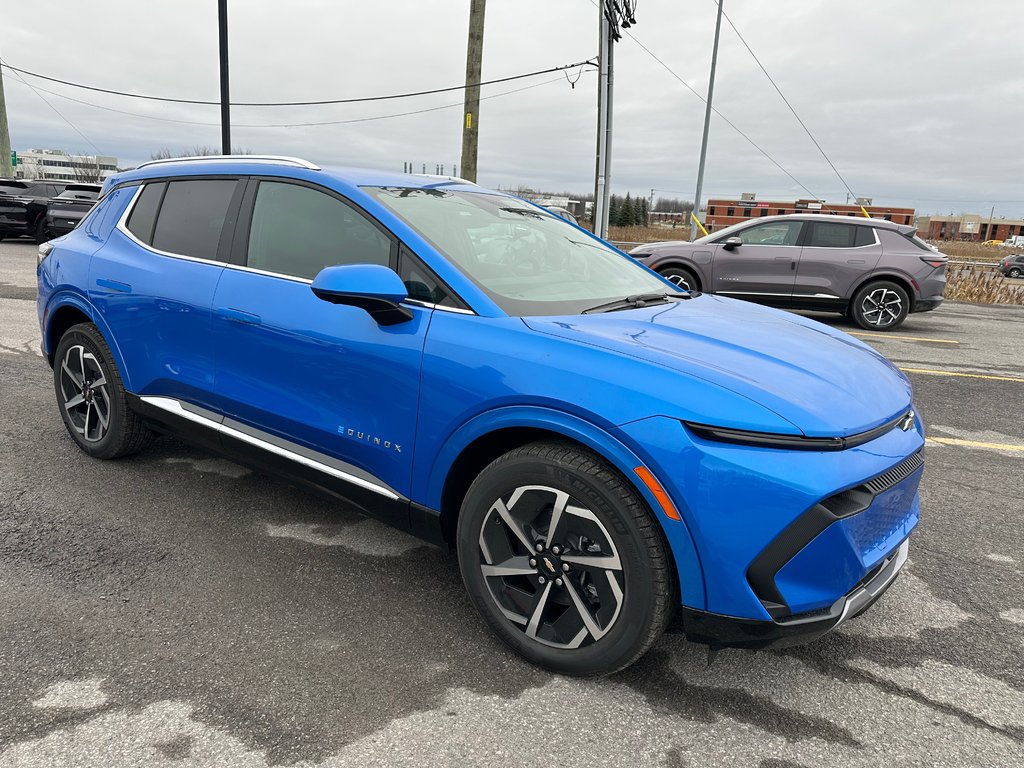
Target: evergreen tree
[641, 218]
[626, 213]
[614, 206]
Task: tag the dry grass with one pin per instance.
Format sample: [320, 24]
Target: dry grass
[647, 234]
[964, 251]
[982, 286]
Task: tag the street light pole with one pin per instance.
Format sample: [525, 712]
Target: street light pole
[602, 186]
[707, 123]
[225, 104]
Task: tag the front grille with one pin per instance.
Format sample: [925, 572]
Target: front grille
[896, 475]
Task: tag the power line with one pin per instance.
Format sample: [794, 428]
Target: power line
[59, 114]
[791, 109]
[291, 125]
[302, 103]
[728, 122]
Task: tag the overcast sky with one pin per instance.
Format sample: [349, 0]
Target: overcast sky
[916, 102]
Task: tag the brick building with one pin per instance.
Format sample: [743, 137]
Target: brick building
[725, 213]
[968, 226]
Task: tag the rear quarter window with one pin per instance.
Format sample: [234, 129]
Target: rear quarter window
[143, 215]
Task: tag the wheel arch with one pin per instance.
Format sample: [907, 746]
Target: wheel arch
[490, 435]
[68, 309]
[904, 281]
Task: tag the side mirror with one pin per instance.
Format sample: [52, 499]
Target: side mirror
[732, 243]
[376, 289]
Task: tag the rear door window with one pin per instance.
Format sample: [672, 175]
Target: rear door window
[192, 215]
[829, 235]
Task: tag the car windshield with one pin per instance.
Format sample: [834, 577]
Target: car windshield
[527, 260]
[7, 188]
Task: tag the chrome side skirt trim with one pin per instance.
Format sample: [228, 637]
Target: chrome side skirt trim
[175, 407]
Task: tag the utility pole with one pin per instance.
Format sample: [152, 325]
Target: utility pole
[991, 214]
[474, 61]
[225, 103]
[707, 123]
[6, 169]
[602, 183]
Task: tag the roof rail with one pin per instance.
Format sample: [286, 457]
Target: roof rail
[444, 181]
[255, 158]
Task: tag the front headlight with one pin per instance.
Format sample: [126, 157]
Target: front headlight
[44, 251]
[904, 421]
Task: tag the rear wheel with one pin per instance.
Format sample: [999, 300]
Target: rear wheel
[91, 396]
[562, 558]
[880, 306]
[682, 277]
[1014, 272]
[40, 234]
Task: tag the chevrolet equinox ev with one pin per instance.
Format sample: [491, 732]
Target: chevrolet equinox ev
[606, 452]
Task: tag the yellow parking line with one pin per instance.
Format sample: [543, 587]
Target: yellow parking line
[964, 375]
[976, 444]
[902, 338]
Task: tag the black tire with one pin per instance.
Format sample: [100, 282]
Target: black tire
[681, 276]
[84, 369]
[880, 306]
[1014, 272]
[40, 235]
[629, 606]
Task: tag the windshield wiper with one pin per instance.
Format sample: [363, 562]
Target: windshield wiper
[637, 301]
[524, 212]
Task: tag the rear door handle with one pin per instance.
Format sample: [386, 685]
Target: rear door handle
[238, 316]
[113, 285]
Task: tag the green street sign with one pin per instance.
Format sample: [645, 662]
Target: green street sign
[14, 158]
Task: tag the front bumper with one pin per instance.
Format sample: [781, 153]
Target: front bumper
[717, 630]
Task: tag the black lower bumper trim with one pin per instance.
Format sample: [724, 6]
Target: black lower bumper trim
[729, 631]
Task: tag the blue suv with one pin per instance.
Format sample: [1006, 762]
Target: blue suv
[606, 453]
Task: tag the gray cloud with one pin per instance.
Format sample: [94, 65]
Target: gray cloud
[916, 102]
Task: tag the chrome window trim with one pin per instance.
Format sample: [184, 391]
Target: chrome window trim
[430, 305]
[170, 405]
[122, 227]
[280, 159]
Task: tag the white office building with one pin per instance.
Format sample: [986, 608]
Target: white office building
[59, 165]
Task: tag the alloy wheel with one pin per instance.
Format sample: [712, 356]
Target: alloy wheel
[882, 307]
[551, 567]
[681, 281]
[85, 394]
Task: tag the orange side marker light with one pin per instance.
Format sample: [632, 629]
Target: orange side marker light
[659, 493]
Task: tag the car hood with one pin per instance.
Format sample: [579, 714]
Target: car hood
[822, 381]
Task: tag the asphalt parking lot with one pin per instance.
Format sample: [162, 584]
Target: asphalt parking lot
[178, 609]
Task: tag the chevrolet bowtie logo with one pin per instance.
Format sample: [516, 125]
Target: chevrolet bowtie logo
[549, 565]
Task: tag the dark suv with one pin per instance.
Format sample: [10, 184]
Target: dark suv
[871, 270]
[23, 206]
[1012, 265]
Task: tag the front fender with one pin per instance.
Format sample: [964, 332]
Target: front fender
[609, 446]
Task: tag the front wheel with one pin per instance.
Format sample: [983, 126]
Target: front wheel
[563, 559]
[91, 397]
[880, 306]
[682, 277]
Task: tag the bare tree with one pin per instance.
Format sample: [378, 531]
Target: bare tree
[197, 151]
[84, 172]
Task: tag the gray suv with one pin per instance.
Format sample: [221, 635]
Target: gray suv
[871, 270]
